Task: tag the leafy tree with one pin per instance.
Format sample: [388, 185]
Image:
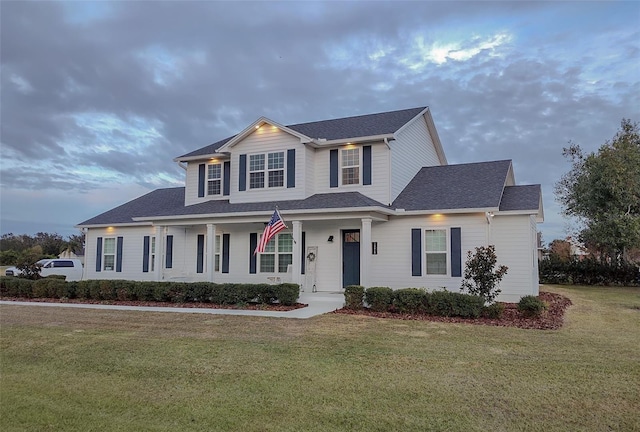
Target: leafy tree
[602, 190]
[480, 278]
[27, 263]
[560, 250]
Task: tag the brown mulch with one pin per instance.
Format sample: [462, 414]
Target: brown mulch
[552, 318]
[196, 305]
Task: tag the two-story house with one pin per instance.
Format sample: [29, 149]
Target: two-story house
[368, 200]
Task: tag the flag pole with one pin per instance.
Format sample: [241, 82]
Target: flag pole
[285, 224]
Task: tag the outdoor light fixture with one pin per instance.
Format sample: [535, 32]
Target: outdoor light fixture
[330, 239]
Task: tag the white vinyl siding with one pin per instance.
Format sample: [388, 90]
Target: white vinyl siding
[412, 149]
[192, 179]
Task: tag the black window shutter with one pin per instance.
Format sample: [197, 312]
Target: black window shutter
[169, 256]
[242, 176]
[304, 257]
[201, 179]
[226, 187]
[225, 252]
[200, 254]
[456, 252]
[119, 254]
[416, 252]
[291, 168]
[99, 255]
[145, 254]
[366, 165]
[333, 168]
[253, 244]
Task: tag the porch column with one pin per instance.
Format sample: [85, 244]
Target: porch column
[158, 261]
[365, 252]
[297, 252]
[211, 247]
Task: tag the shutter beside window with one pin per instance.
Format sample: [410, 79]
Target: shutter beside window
[242, 176]
[201, 179]
[456, 252]
[225, 252]
[416, 252]
[291, 168]
[119, 242]
[333, 168]
[169, 257]
[145, 254]
[366, 165]
[304, 248]
[99, 254]
[253, 244]
[226, 186]
[200, 254]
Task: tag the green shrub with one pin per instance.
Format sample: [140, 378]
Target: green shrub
[379, 299]
[531, 306]
[287, 293]
[480, 278]
[493, 311]
[450, 304]
[353, 297]
[409, 300]
[15, 287]
[587, 272]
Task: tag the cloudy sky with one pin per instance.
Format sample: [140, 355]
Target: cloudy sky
[97, 98]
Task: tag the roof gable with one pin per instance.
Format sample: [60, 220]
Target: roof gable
[464, 186]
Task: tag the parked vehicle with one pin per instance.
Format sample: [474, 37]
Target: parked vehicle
[69, 267]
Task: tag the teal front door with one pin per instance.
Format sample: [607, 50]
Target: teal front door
[350, 257]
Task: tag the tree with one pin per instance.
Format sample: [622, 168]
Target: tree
[602, 191]
[560, 250]
[480, 278]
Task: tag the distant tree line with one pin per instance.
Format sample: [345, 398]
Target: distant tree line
[17, 248]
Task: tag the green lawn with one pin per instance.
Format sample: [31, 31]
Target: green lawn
[83, 370]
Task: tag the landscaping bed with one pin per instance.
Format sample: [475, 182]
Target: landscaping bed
[551, 319]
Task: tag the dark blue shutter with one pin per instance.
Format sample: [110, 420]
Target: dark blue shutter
[253, 244]
[225, 252]
[201, 179]
[456, 253]
[145, 254]
[304, 257]
[200, 254]
[169, 257]
[99, 255]
[291, 168]
[366, 165]
[119, 254]
[333, 168]
[242, 176]
[416, 252]
[226, 186]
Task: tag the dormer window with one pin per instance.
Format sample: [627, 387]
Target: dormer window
[269, 166]
[214, 179]
[350, 166]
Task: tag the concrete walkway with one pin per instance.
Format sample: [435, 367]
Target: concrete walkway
[319, 303]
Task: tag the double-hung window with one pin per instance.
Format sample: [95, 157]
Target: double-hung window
[152, 255]
[266, 170]
[277, 255]
[216, 253]
[350, 166]
[214, 179]
[109, 254]
[436, 251]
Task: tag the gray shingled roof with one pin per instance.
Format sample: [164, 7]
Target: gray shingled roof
[472, 185]
[342, 128]
[521, 198]
[170, 202]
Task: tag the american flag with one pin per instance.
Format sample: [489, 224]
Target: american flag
[275, 225]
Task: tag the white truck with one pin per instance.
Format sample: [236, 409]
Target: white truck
[69, 267]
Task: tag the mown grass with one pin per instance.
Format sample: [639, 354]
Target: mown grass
[83, 370]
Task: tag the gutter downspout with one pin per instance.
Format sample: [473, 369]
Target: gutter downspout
[182, 165]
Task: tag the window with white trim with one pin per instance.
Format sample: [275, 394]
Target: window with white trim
[216, 253]
[266, 170]
[214, 179]
[152, 256]
[436, 251]
[277, 255]
[350, 160]
[109, 254]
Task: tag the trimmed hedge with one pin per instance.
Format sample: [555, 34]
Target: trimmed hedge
[379, 299]
[175, 292]
[531, 306]
[450, 304]
[588, 272]
[354, 297]
[409, 300]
